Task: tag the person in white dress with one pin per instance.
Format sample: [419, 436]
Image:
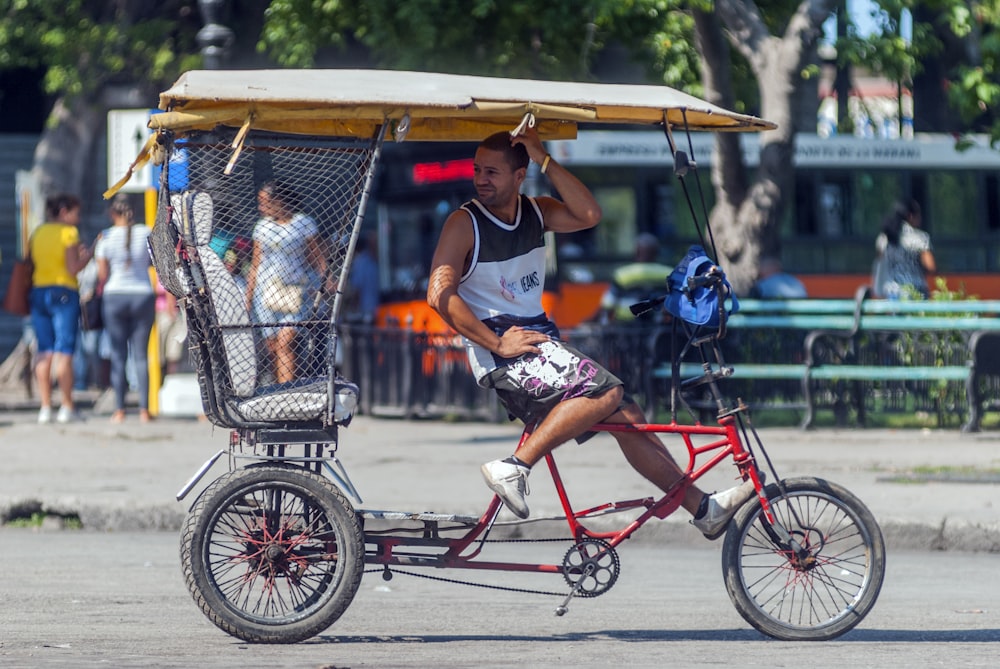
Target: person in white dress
[286, 269]
[904, 257]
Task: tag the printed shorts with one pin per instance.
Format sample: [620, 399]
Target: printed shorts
[531, 385]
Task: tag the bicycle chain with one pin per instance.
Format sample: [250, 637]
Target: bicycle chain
[523, 541]
[487, 586]
[475, 585]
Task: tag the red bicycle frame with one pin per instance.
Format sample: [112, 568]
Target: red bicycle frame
[393, 550]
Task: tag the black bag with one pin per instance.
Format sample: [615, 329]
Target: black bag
[91, 317]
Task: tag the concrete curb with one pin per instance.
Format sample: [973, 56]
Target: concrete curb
[929, 489]
[954, 535]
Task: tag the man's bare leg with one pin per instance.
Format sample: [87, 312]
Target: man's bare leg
[643, 450]
[648, 456]
[568, 420]
[571, 418]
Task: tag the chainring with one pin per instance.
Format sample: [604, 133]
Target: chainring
[591, 567]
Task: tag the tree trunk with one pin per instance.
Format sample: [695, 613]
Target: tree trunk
[747, 220]
[16, 371]
[64, 158]
[729, 174]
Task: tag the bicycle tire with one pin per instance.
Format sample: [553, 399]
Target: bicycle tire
[816, 599]
[272, 553]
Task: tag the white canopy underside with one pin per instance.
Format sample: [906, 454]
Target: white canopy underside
[433, 106]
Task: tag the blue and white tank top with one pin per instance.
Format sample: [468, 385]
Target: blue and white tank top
[506, 275]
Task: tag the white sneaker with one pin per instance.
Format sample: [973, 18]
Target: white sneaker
[68, 415]
[722, 506]
[510, 483]
[45, 415]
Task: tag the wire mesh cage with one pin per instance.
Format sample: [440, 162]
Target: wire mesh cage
[256, 234]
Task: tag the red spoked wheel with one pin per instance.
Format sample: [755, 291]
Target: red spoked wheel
[272, 553]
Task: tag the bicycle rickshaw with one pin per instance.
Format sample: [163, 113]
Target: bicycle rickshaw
[274, 549]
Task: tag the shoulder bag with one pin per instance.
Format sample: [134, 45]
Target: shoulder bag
[91, 314]
[15, 300]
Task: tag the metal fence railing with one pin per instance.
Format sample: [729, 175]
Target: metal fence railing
[403, 372]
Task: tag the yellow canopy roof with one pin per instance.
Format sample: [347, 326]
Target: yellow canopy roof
[423, 105]
[418, 106]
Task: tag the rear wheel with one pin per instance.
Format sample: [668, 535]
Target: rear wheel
[820, 584]
[272, 553]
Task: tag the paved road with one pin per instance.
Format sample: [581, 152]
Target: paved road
[112, 594]
[79, 600]
[929, 490]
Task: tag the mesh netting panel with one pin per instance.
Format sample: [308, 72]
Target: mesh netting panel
[264, 249]
[163, 248]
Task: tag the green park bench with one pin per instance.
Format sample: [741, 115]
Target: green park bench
[857, 355]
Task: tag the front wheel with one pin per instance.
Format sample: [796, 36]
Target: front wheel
[272, 553]
[813, 576]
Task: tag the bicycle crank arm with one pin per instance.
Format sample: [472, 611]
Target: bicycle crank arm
[564, 607]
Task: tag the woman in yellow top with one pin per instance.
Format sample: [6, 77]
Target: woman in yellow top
[58, 256]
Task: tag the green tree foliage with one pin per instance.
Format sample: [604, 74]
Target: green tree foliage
[975, 88]
[560, 39]
[886, 51]
[963, 36]
[84, 45]
[557, 39]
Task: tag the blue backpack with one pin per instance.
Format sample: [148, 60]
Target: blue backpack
[695, 286]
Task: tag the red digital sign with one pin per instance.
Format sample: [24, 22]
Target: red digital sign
[450, 170]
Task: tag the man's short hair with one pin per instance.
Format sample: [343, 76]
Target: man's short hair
[516, 155]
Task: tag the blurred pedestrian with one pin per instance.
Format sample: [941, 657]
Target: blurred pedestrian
[237, 258]
[904, 256]
[87, 362]
[129, 302]
[58, 256]
[286, 269]
[773, 282]
[363, 282]
[171, 328]
[639, 280]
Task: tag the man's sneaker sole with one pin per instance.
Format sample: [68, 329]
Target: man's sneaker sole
[713, 537]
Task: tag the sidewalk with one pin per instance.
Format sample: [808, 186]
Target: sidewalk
[929, 490]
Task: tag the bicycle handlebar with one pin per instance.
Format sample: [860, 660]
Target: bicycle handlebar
[710, 278]
[713, 277]
[639, 308]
